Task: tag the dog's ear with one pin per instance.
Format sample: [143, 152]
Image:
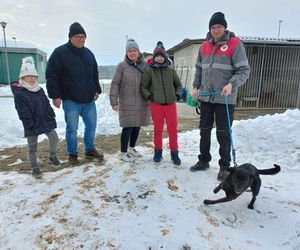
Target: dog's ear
[231, 170]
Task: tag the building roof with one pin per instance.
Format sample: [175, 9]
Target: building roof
[271, 40]
[185, 43]
[23, 50]
[246, 39]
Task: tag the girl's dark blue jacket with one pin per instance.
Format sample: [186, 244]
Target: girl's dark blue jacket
[34, 110]
[72, 74]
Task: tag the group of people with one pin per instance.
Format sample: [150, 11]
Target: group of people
[137, 85]
[138, 89]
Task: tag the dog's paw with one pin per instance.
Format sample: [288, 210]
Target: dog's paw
[217, 189]
[250, 206]
[206, 202]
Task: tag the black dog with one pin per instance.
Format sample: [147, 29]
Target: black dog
[239, 179]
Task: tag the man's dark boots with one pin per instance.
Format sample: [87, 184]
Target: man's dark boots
[199, 166]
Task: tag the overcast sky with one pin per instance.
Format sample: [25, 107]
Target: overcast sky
[45, 24]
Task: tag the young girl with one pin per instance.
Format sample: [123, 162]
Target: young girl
[36, 114]
[162, 87]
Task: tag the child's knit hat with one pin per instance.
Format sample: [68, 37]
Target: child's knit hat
[160, 50]
[28, 67]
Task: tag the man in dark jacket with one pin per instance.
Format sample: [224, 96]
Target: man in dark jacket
[222, 66]
[72, 79]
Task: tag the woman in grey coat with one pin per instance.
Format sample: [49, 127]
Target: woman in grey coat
[126, 98]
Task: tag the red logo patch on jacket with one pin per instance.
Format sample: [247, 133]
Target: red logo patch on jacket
[207, 48]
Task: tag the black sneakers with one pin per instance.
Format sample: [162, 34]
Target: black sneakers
[54, 161]
[36, 173]
[200, 166]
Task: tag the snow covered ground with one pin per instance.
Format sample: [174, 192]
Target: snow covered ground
[11, 132]
[144, 205]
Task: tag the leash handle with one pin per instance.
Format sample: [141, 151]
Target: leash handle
[217, 93]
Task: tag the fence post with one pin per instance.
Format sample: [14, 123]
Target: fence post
[298, 97]
[261, 76]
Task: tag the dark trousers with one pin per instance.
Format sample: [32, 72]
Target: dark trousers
[210, 112]
[129, 135]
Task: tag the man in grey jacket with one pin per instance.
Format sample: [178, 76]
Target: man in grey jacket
[222, 66]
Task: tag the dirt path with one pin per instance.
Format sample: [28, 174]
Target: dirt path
[9, 156]
[16, 158]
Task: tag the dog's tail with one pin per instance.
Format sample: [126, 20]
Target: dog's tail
[270, 171]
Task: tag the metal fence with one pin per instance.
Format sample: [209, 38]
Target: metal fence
[184, 73]
[274, 81]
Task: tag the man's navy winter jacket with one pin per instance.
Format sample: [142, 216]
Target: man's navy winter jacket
[72, 74]
[34, 110]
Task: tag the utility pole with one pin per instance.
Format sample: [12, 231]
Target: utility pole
[3, 25]
[279, 26]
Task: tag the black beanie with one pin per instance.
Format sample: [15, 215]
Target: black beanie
[217, 18]
[75, 29]
[160, 45]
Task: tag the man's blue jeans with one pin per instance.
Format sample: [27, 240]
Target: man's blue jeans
[89, 116]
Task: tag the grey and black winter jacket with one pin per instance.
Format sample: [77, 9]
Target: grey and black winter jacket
[219, 64]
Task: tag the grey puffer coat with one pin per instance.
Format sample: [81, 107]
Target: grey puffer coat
[125, 91]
